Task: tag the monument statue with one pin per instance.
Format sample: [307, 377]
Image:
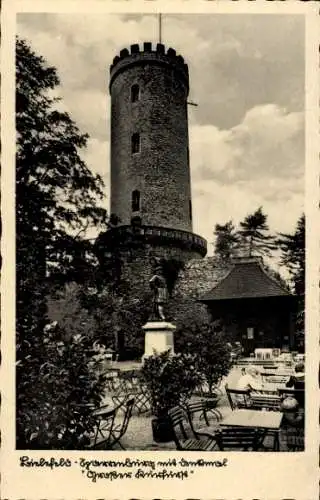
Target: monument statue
[160, 292]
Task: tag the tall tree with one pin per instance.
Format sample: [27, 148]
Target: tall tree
[254, 233]
[226, 240]
[293, 258]
[56, 194]
[293, 255]
[56, 201]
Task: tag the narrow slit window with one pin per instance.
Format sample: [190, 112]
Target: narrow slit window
[135, 143]
[135, 200]
[190, 209]
[135, 93]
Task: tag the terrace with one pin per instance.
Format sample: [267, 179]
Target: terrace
[266, 415]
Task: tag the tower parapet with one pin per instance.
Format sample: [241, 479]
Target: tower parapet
[146, 55]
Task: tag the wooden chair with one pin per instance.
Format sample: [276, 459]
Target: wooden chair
[112, 379]
[117, 431]
[238, 398]
[104, 420]
[132, 386]
[270, 402]
[201, 409]
[239, 438]
[180, 435]
[295, 439]
[278, 379]
[270, 366]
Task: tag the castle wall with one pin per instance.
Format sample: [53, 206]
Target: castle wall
[199, 277]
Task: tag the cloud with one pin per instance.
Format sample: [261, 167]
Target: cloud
[236, 62]
[213, 203]
[267, 144]
[259, 162]
[247, 76]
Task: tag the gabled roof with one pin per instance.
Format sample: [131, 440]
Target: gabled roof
[246, 279]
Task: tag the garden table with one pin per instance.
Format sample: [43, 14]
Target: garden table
[259, 419]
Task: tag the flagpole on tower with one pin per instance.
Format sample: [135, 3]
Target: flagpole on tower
[160, 28]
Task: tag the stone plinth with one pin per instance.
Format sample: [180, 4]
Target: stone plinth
[158, 337]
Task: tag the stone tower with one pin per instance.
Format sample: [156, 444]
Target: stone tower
[150, 172]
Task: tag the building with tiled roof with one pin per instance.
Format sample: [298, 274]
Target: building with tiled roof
[256, 309]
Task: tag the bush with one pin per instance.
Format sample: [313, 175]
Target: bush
[207, 343]
[55, 398]
[170, 379]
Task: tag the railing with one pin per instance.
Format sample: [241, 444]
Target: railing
[161, 235]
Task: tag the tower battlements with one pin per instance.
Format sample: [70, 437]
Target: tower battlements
[146, 54]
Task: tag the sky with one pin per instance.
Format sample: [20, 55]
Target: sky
[247, 76]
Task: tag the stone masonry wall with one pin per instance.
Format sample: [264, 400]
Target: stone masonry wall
[199, 276]
[160, 171]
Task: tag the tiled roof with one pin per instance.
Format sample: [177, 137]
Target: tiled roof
[247, 279]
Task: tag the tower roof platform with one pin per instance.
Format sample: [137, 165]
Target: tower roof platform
[147, 53]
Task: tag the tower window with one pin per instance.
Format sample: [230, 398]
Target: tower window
[135, 93]
[135, 143]
[135, 202]
[190, 209]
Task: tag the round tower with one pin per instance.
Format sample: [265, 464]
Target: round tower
[150, 173]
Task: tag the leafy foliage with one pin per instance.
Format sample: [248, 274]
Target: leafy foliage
[54, 404]
[226, 240]
[250, 238]
[293, 255]
[208, 344]
[254, 234]
[170, 379]
[56, 194]
[56, 203]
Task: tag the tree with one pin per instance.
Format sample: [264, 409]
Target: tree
[207, 342]
[254, 234]
[293, 258]
[56, 202]
[55, 402]
[56, 194]
[226, 241]
[293, 255]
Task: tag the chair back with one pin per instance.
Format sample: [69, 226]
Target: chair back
[103, 419]
[242, 438]
[295, 439]
[201, 407]
[177, 420]
[278, 379]
[112, 379]
[127, 415]
[271, 402]
[238, 398]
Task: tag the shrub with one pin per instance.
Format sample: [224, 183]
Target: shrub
[56, 397]
[207, 343]
[170, 379]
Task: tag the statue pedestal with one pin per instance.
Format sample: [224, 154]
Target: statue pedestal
[158, 337]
